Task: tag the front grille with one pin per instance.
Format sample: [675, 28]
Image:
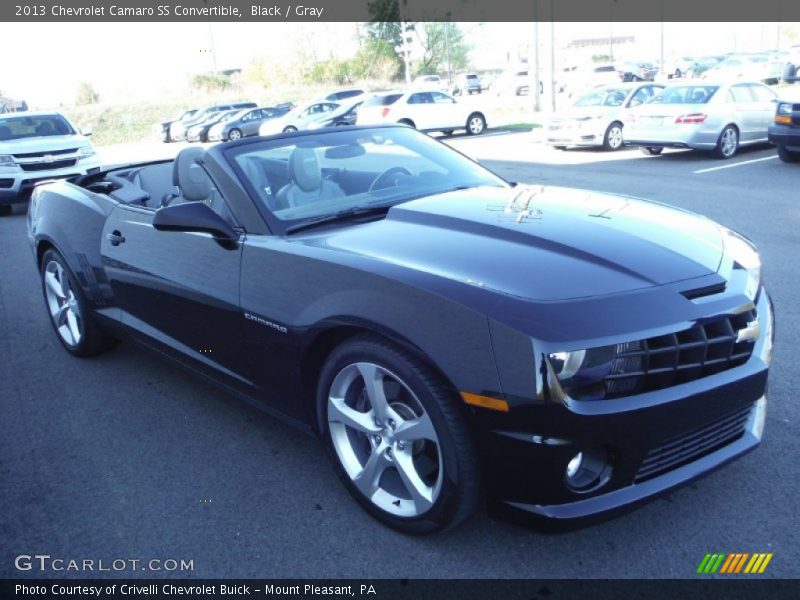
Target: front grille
[663, 361]
[693, 445]
[56, 164]
[43, 154]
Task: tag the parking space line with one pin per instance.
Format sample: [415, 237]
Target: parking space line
[744, 162]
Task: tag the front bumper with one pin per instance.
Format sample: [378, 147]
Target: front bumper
[571, 134]
[655, 442]
[785, 135]
[16, 184]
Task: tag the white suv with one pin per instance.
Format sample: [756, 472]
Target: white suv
[39, 146]
[429, 110]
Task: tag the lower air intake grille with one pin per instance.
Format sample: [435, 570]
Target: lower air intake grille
[693, 445]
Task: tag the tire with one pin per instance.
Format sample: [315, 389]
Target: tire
[68, 309]
[408, 122]
[289, 129]
[5, 210]
[448, 132]
[651, 151]
[476, 124]
[444, 472]
[612, 140]
[727, 143]
[678, 74]
[560, 147]
[788, 156]
[235, 134]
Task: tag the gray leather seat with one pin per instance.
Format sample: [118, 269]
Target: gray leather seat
[156, 180]
[192, 181]
[307, 185]
[194, 184]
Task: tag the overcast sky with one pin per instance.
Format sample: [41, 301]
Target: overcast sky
[129, 61]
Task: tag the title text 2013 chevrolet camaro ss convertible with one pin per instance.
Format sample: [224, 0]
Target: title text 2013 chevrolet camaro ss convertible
[445, 332]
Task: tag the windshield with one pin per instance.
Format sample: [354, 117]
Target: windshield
[603, 97]
[310, 176]
[15, 128]
[686, 94]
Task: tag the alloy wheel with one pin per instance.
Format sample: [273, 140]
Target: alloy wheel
[62, 304]
[235, 135]
[615, 137]
[729, 140]
[476, 125]
[384, 439]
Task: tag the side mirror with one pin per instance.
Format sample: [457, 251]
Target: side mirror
[194, 216]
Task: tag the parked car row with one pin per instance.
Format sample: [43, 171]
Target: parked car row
[717, 117]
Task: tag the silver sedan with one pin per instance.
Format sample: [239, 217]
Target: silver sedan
[596, 118]
[719, 117]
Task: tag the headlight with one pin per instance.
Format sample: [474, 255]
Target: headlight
[85, 152]
[583, 370]
[6, 160]
[784, 109]
[745, 256]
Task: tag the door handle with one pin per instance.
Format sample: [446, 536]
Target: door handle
[115, 237]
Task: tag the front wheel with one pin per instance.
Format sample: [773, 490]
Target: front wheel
[476, 124]
[234, 135]
[397, 437]
[788, 156]
[728, 143]
[613, 138]
[69, 310]
[289, 129]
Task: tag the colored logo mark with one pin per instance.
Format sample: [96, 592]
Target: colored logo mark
[735, 562]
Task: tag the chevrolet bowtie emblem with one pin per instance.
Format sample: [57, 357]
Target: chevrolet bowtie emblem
[749, 333]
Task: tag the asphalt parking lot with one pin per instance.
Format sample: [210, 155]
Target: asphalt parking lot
[126, 456]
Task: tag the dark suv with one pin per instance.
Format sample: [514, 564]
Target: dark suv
[469, 83]
[785, 130]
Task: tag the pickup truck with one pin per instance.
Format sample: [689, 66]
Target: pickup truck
[36, 147]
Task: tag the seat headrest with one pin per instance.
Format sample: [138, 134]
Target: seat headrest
[304, 169]
[45, 128]
[190, 178]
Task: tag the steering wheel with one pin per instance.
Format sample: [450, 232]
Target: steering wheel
[384, 180]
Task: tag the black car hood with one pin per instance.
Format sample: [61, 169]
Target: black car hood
[568, 244]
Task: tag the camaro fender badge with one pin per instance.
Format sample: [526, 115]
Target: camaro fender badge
[749, 333]
[265, 323]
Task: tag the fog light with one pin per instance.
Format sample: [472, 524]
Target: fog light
[574, 465]
[588, 470]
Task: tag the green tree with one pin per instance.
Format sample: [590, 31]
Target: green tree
[443, 45]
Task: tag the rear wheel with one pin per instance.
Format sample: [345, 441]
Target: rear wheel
[728, 142]
[408, 122]
[234, 135]
[476, 124]
[397, 437]
[651, 150]
[289, 129]
[613, 138]
[69, 310]
[788, 156]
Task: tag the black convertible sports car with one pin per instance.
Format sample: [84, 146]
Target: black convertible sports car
[444, 331]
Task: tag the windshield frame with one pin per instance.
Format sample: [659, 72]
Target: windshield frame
[278, 226]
